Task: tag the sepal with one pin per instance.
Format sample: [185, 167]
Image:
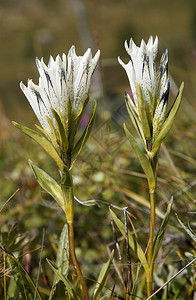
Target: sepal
[142, 108]
[168, 123]
[83, 139]
[61, 130]
[133, 113]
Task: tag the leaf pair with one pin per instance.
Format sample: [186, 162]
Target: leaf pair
[168, 122]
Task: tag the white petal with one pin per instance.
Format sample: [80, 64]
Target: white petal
[37, 104]
[63, 79]
[48, 81]
[131, 76]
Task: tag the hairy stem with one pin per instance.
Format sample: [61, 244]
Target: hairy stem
[75, 261]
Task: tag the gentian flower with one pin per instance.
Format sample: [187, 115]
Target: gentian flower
[60, 97]
[150, 88]
[66, 79]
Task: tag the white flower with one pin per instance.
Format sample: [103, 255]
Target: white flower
[141, 67]
[154, 83]
[66, 79]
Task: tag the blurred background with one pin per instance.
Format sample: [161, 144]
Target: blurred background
[107, 168]
[41, 28]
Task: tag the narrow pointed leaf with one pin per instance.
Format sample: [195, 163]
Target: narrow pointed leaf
[83, 139]
[132, 242]
[168, 122]
[102, 277]
[74, 122]
[142, 112]
[46, 145]
[68, 195]
[48, 183]
[143, 159]
[55, 133]
[135, 120]
[62, 260]
[44, 131]
[160, 234]
[61, 129]
[67, 284]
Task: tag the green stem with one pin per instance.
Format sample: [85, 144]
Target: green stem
[75, 261]
[151, 239]
[153, 162]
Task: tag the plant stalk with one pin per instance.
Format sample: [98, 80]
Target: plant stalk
[75, 261]
[151, 239]
[151, 229]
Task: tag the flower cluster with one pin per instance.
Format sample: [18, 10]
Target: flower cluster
[150, 89]
[61, 95]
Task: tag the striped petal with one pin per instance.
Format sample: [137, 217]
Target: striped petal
[63, 79]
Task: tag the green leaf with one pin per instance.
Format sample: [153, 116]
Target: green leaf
[161, 232]
[74, 121]
[102, 277]
[190, 233]
[132, 242]
[145, 163]
[168, 122]
[142, 112]
[68, 195]
[48, 183]
[67, 284]
[83, 139]
[62, 260]
[46, 145]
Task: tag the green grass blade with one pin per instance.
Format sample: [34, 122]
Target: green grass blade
[188, 231]
[27, 276]
[132, 242]
[102, 277]
[66, 282]
[160, 234]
